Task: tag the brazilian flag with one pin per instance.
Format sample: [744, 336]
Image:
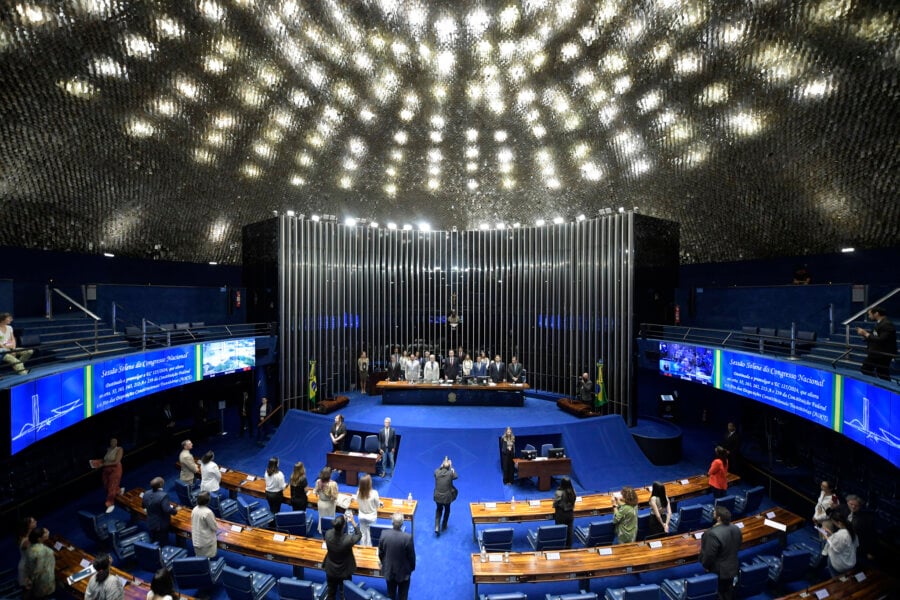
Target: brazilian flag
[600, 397]
[313, 386]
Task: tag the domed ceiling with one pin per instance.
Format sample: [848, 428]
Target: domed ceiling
[158, 128]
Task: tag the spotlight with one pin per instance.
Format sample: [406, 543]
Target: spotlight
[374, 224]
[621, 209]
[350, 222]
[407, 227]
[391, 225]
[290, 213]
[581, 217]
[848, 249]
[558, 220]
[423, 226]
[540, 223]
[315, 218]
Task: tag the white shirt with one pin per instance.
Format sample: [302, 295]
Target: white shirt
[210, 476]
[275, 482]
[432, 371]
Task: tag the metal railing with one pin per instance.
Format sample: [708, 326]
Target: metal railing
[49, 292]
[846, 323]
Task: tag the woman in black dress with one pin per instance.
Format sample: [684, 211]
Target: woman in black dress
[507, 454]
[299, 501]
[564, 507]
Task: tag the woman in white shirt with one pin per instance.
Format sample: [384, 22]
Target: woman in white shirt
[825, 502]
[840, 544]
[204, 528]
[274, 485]
[210, 476]
[368, 502]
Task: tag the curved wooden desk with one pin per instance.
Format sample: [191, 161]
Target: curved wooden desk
[637, 557]
[874, 584]
[588, 505]
[238, 481]
[299, 552]
[450, 394]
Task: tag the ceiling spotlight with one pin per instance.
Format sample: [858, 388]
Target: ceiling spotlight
[621, 209]
[407, 227]
[483, 226]
[391, 225]
[501, 225]
[848, 250]
[558, 220]
[581, 217]
[516, 225]
[350, 222]
[109, 255]
[290, 213]
[540, 223]
[423, 226]
[374, 224]
[315, 218]
[213, 263]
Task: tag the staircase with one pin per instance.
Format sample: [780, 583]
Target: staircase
[67, 338]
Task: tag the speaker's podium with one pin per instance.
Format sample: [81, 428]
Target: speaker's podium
[667, 407]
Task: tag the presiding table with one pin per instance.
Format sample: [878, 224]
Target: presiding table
[588, 505]
[638, 557]
[543, 468]
[351, 463]
[453, 394]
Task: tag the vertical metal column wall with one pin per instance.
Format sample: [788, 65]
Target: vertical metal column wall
[558, 297]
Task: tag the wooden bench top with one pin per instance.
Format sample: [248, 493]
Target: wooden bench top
[859, 585]
[503, 386]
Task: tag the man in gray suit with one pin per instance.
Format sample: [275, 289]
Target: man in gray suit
[398, 559]
[719, 551]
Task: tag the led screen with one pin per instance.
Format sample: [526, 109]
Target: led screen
[43, 407]
[693, 363]
[871, 417]
[123, 379]
[228, 356]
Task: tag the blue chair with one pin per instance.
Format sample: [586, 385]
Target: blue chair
[648, 591]
[355, 443]
[150, 557]
[246, 585]
[254, 514]
[295, 522]
[686, 519]
[643, 523]
[495, 539]
[197, 572]
[750, 501]
[359, 591]
[98, 526]
[327, 523]
[548, 537]
[582, 595]
[792, 565]
[752, 579]
[504, 596]
[123, 541]
[709, 510]
[371, 446]
[185, 493]
[545, 449]
[299, 589]
[698, 587]
[375, 531]
[223, 508]
[597, 533]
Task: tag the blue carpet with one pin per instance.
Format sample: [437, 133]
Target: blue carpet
[603, 453]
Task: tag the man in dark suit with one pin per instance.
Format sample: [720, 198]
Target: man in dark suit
[719, 551]
[863, 521]
[398, 559]
[394, 371]
[586, 389]
[387, 445]
[515, 372]
[339, 561]
[881, 343]
[732, 444]
[497, 370]
[159, 511]
[451, 367]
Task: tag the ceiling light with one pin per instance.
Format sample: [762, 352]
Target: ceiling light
[315, 218]
[290, 213]
[558, 220]
[423, 226]
[391, 225]
[407, 227]
[350, 222]
[483, 226]
[581, 217]
[109, 255]
[848, 250]
[540, 223]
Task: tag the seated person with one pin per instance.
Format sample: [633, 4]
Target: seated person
[16, 358]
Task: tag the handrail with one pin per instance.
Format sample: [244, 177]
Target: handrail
[76, 304]
[865, 310]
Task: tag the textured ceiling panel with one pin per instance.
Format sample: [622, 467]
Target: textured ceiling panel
[160, 128]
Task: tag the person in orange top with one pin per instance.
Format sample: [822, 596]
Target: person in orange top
[718, 473]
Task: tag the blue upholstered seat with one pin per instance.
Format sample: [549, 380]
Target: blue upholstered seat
[290, 588]
[246, 585]
[548, 537]
[123, 541]
[355, 443]
[223, 508]
[495, 539]
[504, 596]
[752, 579]
[197, 572]
[255, 514]
[582, 595]
[648, 591]
[354, 591]
[151, 557]
[98, 526]
[185, 493]
[709, 510]
[698, 587]
[295, 522]
[792, 565]
[598, 533]
[686, 519]
[749, 502]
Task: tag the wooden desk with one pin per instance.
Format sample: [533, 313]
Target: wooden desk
[588, 505]
[876, 584]
[444, 394]
[351, 463]
[637, 557]
[68, 562]
[236, 481]
[300, 552]
[543, 469]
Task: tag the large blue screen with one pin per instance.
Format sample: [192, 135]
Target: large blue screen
[872, 418]
[43, 407]
[121, 380]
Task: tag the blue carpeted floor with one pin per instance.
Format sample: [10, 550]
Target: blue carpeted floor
[603, 452]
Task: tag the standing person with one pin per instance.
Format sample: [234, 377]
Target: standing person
[467, 366]
[863, 522]
[262, 426]
[339, 560]
[586, 389]
[162, 587]
[362, 367]
[159, 511]
[245, 409]
[451, 367]
[111, 465]
[515, 372]
[204, 528]
[719, 551]
[431, 373]
[387, 447]
[732, 445]
[26, 526]
[274, 485]
[479, 368]
[507, 455]
[101, 585]
[299, 500]
[188, 464]
[840, 544]
[413, 368]
[444, 494]
[564, 507]
[368, 502]
[210, 474]
[11, 355]
[827, 500]
[881, 343]
[40, 565]
[338, 433]
[395, 369]
[397, 554]
[718, 473]
[660, 511]
[327, 493]
[625, 515]
[497, 370]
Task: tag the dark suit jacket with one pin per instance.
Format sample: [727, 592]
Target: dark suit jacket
[158, 507]
[478, 369]
[497, 371]
[883, 339]
[586, 391]
[339, 560]
[719, 550]
[395, 373]
[397, 554]
[515, 373]
[443, 485]
[388, 442]
[451, 369]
